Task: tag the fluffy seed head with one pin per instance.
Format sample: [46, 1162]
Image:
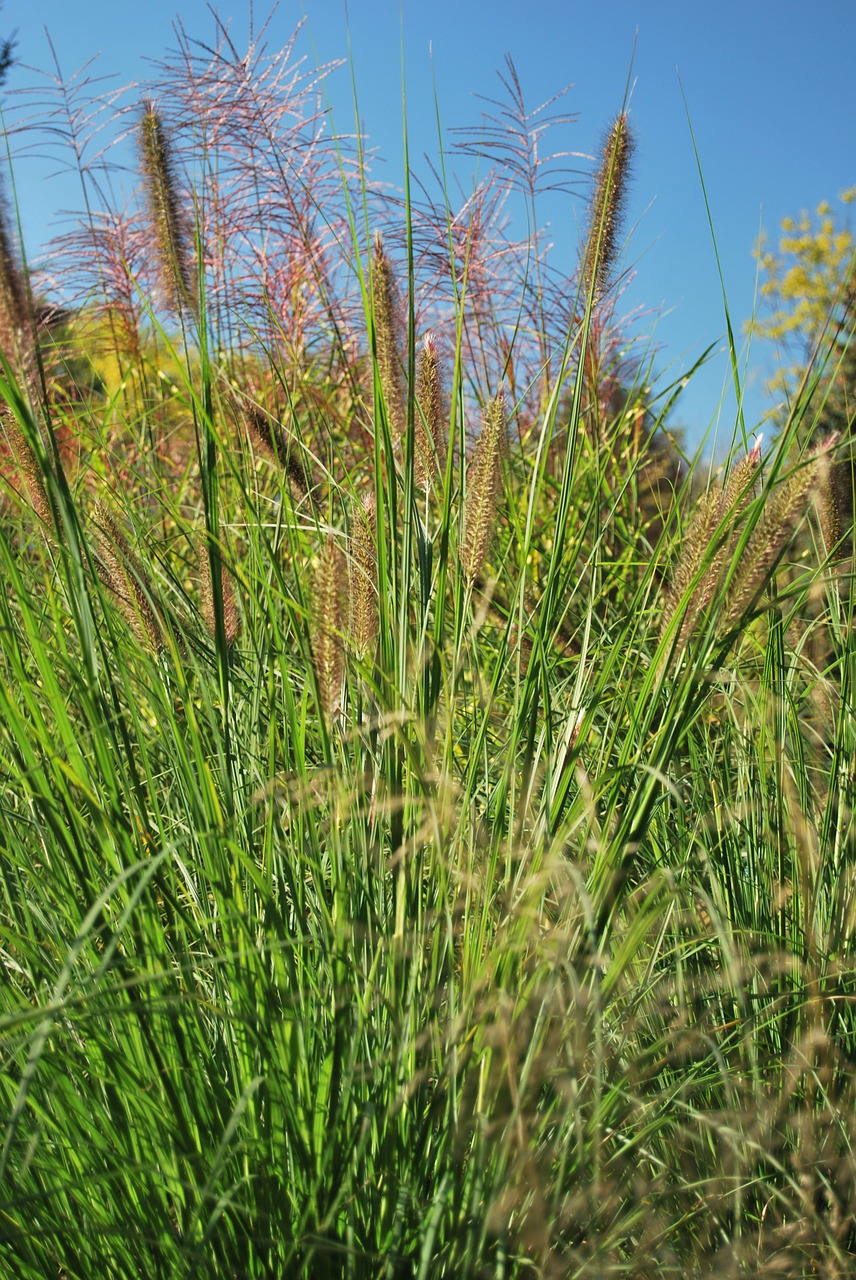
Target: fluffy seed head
[784, 510]
[430, 417]
[231, 618]
[607, 208]
[831, 499]
[121, 571]
[386, 312]
[362, 568]
[328, 653]
[170, 235]
[268, 436]
[25, 459]
[721, 502]
[484, 474]
[16, 331]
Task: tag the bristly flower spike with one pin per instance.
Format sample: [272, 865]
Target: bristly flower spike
[484, 473]
[328, 625]
[430, 436]
[385, 310]
[721, 501]
[122, 573]
[231, 617]
[785, 508]
[16, 330]
[169, 223]
[362, 567]
[607, 208]
[18, 345]
[269, 436]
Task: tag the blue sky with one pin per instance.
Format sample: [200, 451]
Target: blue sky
[768, 88]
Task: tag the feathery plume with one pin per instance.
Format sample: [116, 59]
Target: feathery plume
[607, 208]
[385, 310]
[231, 618]
[121, 571]
[483, 482]
[169, 222]
[430, 441]
[362, 567]
[328, 653]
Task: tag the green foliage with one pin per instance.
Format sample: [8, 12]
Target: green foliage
[809, 287]
[398, 879]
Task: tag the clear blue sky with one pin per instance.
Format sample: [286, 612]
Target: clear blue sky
[768, 88]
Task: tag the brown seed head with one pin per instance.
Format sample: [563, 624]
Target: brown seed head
[785, 508]
[270, 438]
[17, 340]
[362, 566]
[484, 474]
[27, 463]
[722, 502]
[231, 617]
[387, 328]
[328, 652]
[121, 571]
[170, 232]
[607, 208]
[430, 427]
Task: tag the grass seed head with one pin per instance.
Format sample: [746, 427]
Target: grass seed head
[833, 480]
[484, 474]
[168, 218]
[430, 432]
[721, 502]
[16, 330]
[121, 571]
[27, 463]
[786, 507]
[270, 438]
[231, 617]
[328, 652]
[388, 344]
[362, 567]
[607, 208]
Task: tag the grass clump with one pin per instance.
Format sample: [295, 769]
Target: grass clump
[423, 855]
